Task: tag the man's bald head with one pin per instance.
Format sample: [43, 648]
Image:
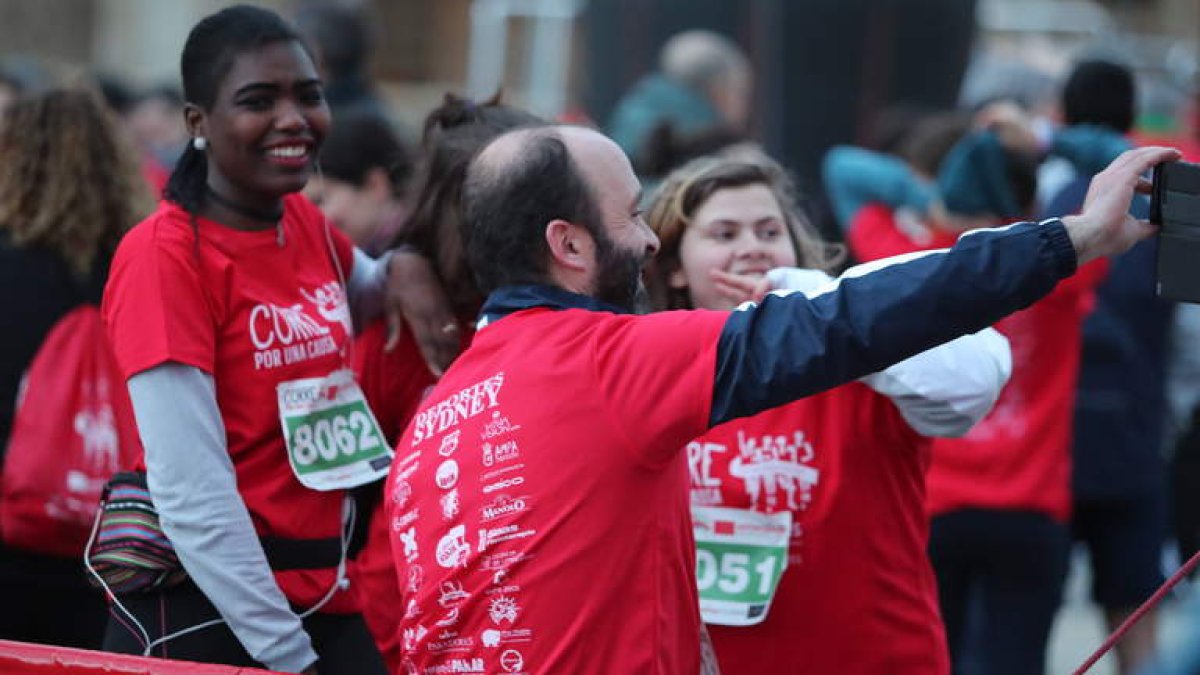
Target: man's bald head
[517, 184]
[504, 151]
[510, 150]
[698, 57]
[713, 66]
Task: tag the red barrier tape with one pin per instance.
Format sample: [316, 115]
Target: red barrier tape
[1149, 604]
[21, 658]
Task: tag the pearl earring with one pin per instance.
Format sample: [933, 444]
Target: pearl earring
[200, 143]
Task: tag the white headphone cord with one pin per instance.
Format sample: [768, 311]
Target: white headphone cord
[340, 581]
[87, 563]
[349, 517]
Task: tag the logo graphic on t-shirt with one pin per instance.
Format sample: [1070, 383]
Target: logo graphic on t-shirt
[450, 443]
[452, 410]
[501, 560]
[499, 425]
[453, 549]
[494, 637]
[412, 636]
[706, 488]
[503, 609]
[416, 576]
[450, 598]
[449, 618]
[451, 594]
[286, 335]
[512, 661]
[500, 452]
[401, 489]
[489, 536]
[404, 520]
[330, 302]
[401, 493]
[501, 507]
[449, 503]
[502, 484]
[447, 474]
[474, 665]
[409, 539]
[769, 464]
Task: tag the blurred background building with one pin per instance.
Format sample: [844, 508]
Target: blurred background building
[823, 68]
[833, 56]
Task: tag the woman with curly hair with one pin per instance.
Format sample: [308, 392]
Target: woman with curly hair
[69, 188]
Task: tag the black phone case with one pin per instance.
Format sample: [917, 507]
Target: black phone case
[1175, 205]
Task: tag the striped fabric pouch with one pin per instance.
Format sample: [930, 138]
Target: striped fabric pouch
[128, 551]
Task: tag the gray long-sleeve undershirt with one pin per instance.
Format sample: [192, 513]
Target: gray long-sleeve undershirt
[191, 476]
[194, 486]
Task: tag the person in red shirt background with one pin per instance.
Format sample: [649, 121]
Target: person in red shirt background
[858, 594]
[999, 497]
[364, 183]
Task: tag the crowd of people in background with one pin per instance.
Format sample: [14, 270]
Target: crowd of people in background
[520, 396]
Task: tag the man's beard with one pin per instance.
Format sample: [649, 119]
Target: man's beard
[619, 277]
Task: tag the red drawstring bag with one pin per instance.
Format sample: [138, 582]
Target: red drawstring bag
[73, 429]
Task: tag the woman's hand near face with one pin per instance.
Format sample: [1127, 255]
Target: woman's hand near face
[415, 294]
[739, 288]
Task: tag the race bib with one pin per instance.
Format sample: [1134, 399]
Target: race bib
[333, 441]
[740, 557]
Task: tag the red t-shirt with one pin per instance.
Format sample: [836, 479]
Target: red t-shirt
[538, 500]
[858, 595]
[874, 233]
[1019, 456]
[393, 382]
[253, 314]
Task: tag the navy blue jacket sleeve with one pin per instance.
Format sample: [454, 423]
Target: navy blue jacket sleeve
[791, 346]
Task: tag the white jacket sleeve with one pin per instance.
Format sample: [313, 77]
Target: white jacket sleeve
[192, 481]
[940, 392]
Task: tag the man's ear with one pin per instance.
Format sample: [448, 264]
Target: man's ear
[194, 118]
[571, 245]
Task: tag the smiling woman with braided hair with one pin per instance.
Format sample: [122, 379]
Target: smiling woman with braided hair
[230, 311]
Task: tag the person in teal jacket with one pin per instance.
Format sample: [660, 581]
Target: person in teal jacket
[703, 82]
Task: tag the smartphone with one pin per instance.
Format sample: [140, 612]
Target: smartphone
[1175, 206]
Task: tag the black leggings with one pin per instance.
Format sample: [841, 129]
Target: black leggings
[341, 641]
[1000, 577]
[48, 600]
